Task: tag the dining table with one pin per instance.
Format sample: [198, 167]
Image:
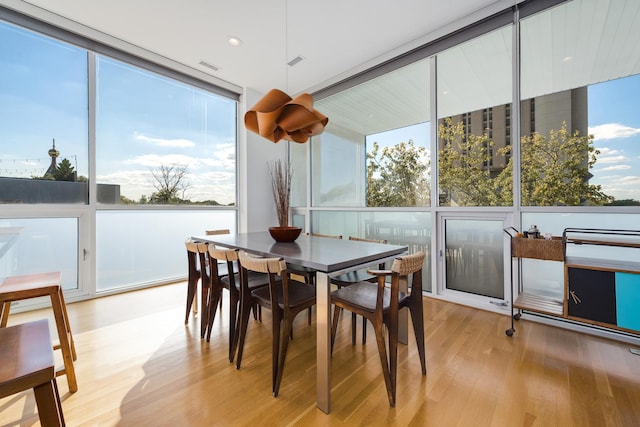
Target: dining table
[329, 258]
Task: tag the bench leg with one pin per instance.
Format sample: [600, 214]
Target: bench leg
[49, 407]
[64, 335]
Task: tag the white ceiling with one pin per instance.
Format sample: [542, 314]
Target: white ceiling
[336, 38]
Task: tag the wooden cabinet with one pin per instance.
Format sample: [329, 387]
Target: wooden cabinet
[596, 291]
[603, 294]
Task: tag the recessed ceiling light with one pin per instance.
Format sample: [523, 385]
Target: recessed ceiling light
[567, 59]
[234, 41]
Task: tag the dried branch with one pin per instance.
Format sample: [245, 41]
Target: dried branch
[281, 186]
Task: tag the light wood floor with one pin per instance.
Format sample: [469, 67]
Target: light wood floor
[138, 365]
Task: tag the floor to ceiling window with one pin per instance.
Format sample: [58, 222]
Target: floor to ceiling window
[163, 165]
[580, 131]
[506, 123]
[370, 169]
[43, 153]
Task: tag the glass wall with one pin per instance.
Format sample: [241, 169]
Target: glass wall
[40, 245]
[396, 227]
[43, 119]
[580, 86]
[546, 153]
[147, 247]
[474, 122]
[161, 138]
[160, 141]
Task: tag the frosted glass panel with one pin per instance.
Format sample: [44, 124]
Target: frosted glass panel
[475, 261]
[40, 245]
[143, 247]
[403, 228]
[338, 177]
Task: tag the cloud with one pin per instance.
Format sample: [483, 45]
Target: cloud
[180, 143]
[615, 168]
[612, 131]
[155, 160]
[606, 151]
[612, 159]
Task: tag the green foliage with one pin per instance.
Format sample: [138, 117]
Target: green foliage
[464, 178]
[555, 170]
[398, 175]
[64, 171]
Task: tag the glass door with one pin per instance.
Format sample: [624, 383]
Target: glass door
[473, 250]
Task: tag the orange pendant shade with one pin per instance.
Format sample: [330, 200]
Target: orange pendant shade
[278, 116]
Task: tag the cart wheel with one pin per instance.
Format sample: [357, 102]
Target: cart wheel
[509, 332]
[516, 316]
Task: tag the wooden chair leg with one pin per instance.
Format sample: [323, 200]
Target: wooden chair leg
[384, 361]
[65, 344]
[364, 330]
[234, 302]
[334, 325]
[5, 306]
[418, 328]
[214, 296]
[241, 332]
[191, 294]
[68, 325]
[353, 328]
[275, 349]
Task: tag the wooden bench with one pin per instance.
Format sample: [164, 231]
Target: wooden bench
[26, 361]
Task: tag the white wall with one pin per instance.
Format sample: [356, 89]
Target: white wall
[257, 210]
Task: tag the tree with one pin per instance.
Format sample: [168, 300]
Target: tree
[554, 170]
[170, 183]
[64, 171]
[398, 175]
[464, 178]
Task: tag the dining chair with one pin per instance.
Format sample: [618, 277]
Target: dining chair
[193, 276]
[352, 277]
[285, 297]
[380, 305]
[231, 282]
[198, 250]
[222, 267]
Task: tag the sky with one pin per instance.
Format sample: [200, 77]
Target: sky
[145, 121]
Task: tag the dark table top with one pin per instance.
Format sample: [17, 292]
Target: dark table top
[318, 253]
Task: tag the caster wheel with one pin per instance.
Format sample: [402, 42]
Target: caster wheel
[509, 332]
[516, 316]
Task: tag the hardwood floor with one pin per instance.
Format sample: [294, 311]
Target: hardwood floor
[138, 365]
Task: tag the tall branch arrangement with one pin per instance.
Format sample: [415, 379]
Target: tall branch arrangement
[281, 186]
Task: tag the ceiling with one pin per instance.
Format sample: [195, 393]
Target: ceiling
[335, 38]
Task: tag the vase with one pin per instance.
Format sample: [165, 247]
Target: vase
[285, 234]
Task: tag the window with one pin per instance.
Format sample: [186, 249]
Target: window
[474, 91]
[580, 71]
[375, 150]
[43, 119]
[160, 141]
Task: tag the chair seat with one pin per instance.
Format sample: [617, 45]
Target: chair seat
[363, 296]
[352, 277]
[223, 270]
[299, 294]
[255, 280]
